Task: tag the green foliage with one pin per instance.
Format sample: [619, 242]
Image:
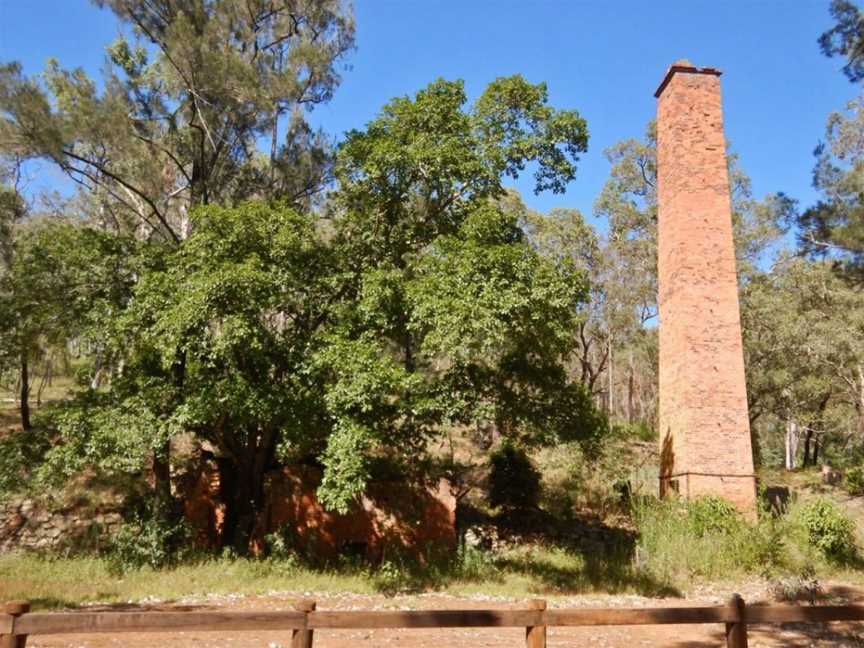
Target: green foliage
[639, 430]
[146, 541]
[448, 315]
[802, 326]
[273, 336]
[829, 530]
[19, 454]
[711, 514]
[514, 481]
[176, 121]
[853, 480]
[94, 432]
[846, 38]
[706, 538]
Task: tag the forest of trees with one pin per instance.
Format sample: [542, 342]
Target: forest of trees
[226, 274]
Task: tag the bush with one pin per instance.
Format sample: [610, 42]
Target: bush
[475, 564]
[640, 431]
[712, 514]
[854, 480]
[829, 530]
[514, 482]
[145, 541]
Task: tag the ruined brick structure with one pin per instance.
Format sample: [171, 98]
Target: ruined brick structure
[704, 427]
[391, 519]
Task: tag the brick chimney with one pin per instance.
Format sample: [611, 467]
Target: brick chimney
[705, 445]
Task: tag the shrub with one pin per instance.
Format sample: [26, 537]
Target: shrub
[640, 431]
[514, 482]
[712, 514]
[854, 480]
[828, 529]
[472, 563]
[145, 541]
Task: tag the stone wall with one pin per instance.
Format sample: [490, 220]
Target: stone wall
[26, 523]
[392, 516]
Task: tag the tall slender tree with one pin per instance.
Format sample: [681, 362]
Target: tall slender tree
[183, 106]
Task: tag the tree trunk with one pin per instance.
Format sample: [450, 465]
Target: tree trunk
[46, 378]
[165, 509]
[793, 436]
[610, 399]
[96, 380]
[631, 388]
[242, 489]
[860, 404]
[25, 393]
[162, 482]
[807, 439]
[409, 353]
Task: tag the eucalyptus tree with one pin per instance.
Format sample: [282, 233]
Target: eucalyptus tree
[803, 325]
[834, 226]
[186, 98]
[628, 203]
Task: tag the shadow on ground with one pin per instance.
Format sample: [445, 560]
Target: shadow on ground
[52, 604]
[582, 554]
[787, 635]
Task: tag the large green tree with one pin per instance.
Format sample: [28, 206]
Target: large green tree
[834, 226]
[803, 326]
[355, 338]
[62, 283]
[178, 117]
[447, 314]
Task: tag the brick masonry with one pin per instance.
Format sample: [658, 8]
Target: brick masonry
[705, 443]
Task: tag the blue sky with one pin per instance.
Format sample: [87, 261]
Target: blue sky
[604, 58]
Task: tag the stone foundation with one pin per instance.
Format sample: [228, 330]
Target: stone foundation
[391, 517]
[26, 524]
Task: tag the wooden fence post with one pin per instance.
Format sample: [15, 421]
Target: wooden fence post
[16, 609]
[535, 636]
[736, 632]
[303, 638]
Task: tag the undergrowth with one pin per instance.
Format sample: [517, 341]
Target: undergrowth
[709, 540]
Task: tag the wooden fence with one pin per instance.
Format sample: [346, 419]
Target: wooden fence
[17, 623]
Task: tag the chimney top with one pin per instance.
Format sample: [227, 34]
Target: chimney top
[685, 66]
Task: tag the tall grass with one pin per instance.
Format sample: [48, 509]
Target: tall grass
[706, 539]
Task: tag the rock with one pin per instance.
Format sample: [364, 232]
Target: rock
[777, 499]
[831, 476]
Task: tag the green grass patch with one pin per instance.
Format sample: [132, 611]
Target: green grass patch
[517, 572]
[68, 582]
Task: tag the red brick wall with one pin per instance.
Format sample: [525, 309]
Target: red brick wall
[704, 427]
[393, 517]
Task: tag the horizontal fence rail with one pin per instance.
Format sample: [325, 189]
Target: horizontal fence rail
[17, 622]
